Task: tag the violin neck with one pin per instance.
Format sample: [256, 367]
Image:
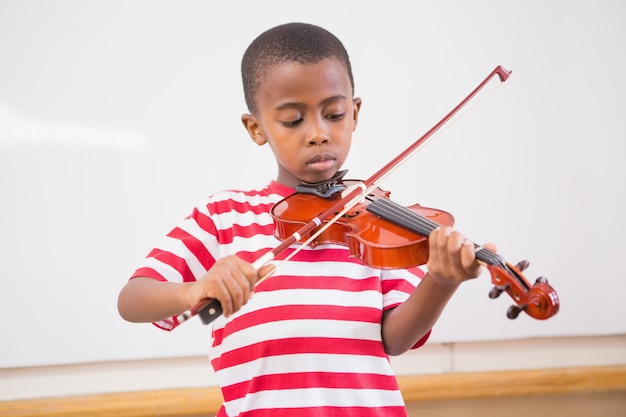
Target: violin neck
[410, 220]
[402, 216]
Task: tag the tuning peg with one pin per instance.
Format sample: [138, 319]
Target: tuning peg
[541, 280]
[514, 311]
[497, 290]
[522, 265]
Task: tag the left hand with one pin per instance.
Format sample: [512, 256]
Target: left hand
[452, 257]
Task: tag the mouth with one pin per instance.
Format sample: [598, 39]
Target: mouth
[321, 161]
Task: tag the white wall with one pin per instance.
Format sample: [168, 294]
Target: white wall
[117, 116]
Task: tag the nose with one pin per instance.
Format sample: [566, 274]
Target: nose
[317, 135]
[318, 140]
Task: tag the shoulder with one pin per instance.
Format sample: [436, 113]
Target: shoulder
[242, 201]
[267, 195]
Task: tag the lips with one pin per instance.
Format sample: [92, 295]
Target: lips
[320, 157]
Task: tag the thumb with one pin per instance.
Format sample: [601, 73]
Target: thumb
[265, 272]
[491, 246]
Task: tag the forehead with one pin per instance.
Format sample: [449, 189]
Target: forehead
[293, 82]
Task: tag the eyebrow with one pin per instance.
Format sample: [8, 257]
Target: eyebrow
[328, 100]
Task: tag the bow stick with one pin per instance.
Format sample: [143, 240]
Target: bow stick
[210, 309]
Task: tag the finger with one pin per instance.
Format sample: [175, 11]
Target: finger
[265, 272]
[439, 238]
[222, 294]
[491, 246]
[470, 265]
[438, 258]
[433, 248]
[248, 276]
[239, 288]
[454, 246]
[465, 261]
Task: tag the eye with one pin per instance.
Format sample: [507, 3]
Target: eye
[292, 123]
[335, 116]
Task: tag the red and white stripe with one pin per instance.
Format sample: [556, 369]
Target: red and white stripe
[309, 341]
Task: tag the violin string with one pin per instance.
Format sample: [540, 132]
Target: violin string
[407, 218]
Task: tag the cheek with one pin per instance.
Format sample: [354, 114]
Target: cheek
[283, 150]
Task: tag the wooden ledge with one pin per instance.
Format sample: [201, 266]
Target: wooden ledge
[191, 402]
[513, 383]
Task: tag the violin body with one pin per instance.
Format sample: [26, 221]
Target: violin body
[375, 241]
[386, 235]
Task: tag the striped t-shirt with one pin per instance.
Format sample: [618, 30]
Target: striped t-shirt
[309, 342]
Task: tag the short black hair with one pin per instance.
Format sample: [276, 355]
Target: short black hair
[291, 42]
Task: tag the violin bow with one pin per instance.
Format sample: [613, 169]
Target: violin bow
[210, 309]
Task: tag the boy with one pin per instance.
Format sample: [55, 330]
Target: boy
[315, 339]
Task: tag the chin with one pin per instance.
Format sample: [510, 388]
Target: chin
[325, 176]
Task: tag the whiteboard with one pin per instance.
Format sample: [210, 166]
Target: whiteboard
[117, 117]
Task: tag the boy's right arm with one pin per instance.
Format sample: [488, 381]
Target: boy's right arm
[146, 300]
[231, 281]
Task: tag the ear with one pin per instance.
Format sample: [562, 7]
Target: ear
[357, 107]
[251, 124]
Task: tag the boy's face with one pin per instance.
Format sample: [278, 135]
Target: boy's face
[307, 115]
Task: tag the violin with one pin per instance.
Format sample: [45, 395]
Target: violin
[384, 234]
[371, 237]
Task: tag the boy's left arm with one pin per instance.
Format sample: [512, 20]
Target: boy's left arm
[451, 261]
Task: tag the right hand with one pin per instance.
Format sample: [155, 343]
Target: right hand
[231, 281]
